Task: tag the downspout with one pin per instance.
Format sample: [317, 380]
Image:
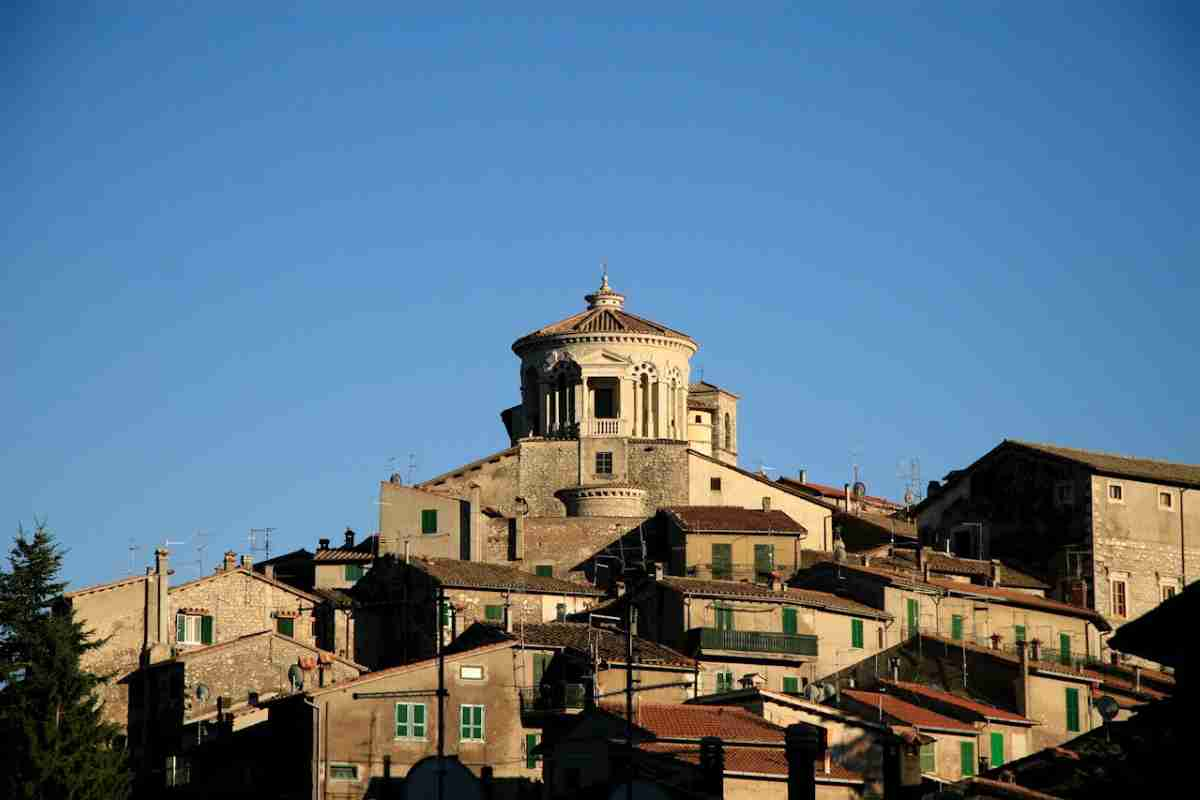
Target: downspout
[1182, 545]
[316, 763]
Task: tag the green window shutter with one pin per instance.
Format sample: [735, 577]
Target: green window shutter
[789, 620]
[856, 633]
[478, 722]
[791, 685]
[997, 749]
[180, 627]
[724, 681]
[445, 614]
[285, 626]
[764, 561]
[429, 521]
[956, 628]
[531, 741]
[493, 613]
[928, 758]
[544, 570]
[1064, 649]
[540, 662]
[914, 616]
[418, 720]
[722, 561]
[1019, 633]
[464, 722]
[354, 572]
[401, 720]
[967, 758]
[206, 632]
[1073, 710]
[724, 618]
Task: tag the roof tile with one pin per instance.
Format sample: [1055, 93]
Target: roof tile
[732, 519]
[752, 591]
[907, 712]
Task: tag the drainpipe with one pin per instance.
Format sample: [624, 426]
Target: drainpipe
[1182, 545]
[316, 762]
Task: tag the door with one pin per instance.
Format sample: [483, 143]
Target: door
[914, 616]
[997, 749]
[764, 562]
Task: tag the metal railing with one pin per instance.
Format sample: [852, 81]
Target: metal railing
[552, 697]
[794, 644]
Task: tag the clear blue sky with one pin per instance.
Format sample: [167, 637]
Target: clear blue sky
[249, 256]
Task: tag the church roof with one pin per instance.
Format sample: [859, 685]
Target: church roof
[604, 314]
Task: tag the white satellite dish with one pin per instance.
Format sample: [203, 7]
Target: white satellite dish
[296, 677]
[202, 693]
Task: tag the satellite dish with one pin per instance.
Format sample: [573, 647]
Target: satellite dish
[814, 693]
[860, 489]
[1108, 708]
[202, 693]
[296, 677]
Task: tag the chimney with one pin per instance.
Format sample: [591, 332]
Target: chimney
[828, 759]
[349, 537]
[1023, 689]
[230, 561]
[895, 665]
[995, 637]
[804, 476]
[269, 571]
[322, 544]
[803, 745]
[712, 764]
[247, 561]
[920, 556]
[766, 504]
[406, 543]
[996, 568]
[846, 489]
[161, 634]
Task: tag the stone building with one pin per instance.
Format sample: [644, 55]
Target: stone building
[727, 543]
[1112, 533]
[610, 428]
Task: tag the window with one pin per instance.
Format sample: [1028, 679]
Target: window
[1167, 592]
[789, 620]
[956, 627]
[1115, 493]
[544, 570]
[856, 633]
[1073, 710]
[470, 723]
[445, 614]
[914, 616]
[540, 662]
[724, 618]
[714, 484]
[605, 407]
[764, 562]
[285, 626]
[354, 572]
[929, 757]
[1064, 649]
[722, 561]
[997, 749]
[724, 681]
[343, 772]
[193, 629]
[1064, 493]
[531, 742]
[699, 418]
[1165, 500]
[470, 672]
[493, 613]
[429, 521]
[966, 754]
[604, 463]
[1119, 607]
[791, 685]
[410, 720]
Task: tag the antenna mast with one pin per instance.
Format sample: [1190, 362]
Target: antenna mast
[133, 548]
[266, 547]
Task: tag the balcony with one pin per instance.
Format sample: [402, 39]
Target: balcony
[604, 427]
[557, 698]
[785, 644]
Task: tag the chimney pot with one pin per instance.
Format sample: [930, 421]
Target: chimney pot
[322, 544]
[349, 537]
[766, 504]
[804, 476]
[247, 561]
[230, 560]
[269, 571]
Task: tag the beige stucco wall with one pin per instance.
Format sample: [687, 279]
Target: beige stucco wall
[694, 553]
[756, 788]
[119, 615]
[1048, 705]
[333, 575]
[700, 430]
[400, 510]
[741, 490]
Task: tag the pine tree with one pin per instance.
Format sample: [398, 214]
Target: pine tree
[56, 744]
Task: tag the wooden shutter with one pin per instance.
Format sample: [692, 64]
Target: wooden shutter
[914, 616]
[544, 570]
[401, 720]
[493, 612]
[540, 662]
[1019, 633]
[418, 720]
[928, 757]
[956, 628]
[722, 561]
[789, 620]
[997, 749]
[856, 633]
[285, 626]
[764, 561]
[478, 722]
[1064, 649]
[531, 741]
[206, 630]
[967, 758]
[791, 685]
[1073, 710]
[180, 627]
[429, 520]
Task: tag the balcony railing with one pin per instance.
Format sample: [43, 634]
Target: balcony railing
[557, 697]
[605, 427]
[792, 644]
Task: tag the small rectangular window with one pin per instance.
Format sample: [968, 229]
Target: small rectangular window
[722, 561]
[493, 613]
[1119, 605]
[1115, 493]
[724, 681]
[1165, 500]
[699, 418]
[470, 672]
[544, 570]
[714, 484]
[789, 620]
[956, 627]
[1168, 592]
[410, 720]
[1018, 633]
[604, 463]
[193, 629]
[1064, 493]
[343, 772]
[531, 743]
[997, 749]
[470, 723]
[724, 618]
[929, 757]
[967, 758]
[1073, 710]
[791, 685]
[429, 521]
[285, 626]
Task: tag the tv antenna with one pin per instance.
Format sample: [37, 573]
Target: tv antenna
[133, 548]
[909, 471]
[265, 549]
[412, 468]
[763, 468]
[201, 539]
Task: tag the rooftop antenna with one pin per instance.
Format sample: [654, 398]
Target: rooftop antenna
[412, 467]
[763, 468]
[201, 538]
[265, 549]
[909, 471]
[133, 548]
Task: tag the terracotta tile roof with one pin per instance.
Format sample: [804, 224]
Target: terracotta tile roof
[703, 587]
[579, 636]
[1010, 576]
[679, 721]
[907, 712]
[287, 587]
[834, 492]
[602, 319]
[479, 575]
[100, 587]
[1127, 466]
[363, 551]
[983, 710]
[986, 787]
[429, 663]
[338, 597]
[753, 760]
[732, 519]
[192, 652]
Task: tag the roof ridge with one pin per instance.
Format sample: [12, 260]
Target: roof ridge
[1104, 453]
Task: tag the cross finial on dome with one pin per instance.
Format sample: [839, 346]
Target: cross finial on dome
[604, 276]
[604, 296]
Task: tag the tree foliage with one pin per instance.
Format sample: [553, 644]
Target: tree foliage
[56, 743]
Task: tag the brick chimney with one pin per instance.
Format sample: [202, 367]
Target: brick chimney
[803, 745]
[158, 609]
[322, 544]
[712, 764]
[349, 537]
[996, 573]
[230, 561]
[247, 561]
[766, 504]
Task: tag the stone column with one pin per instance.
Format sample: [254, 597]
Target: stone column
[545, 398]
[628, 406]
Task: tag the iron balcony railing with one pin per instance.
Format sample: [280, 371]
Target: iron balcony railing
[793, 644]
[552, 697]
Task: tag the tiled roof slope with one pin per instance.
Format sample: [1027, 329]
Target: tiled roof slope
[363, 551]
[751, 591]
[982, 710]
[678, 721]
[907, 712]
[478, 575]
[576, 636]
[941, 562]
[836, 493]
[602, 319]
[758, 760]
[1128, 466]
[732, 519]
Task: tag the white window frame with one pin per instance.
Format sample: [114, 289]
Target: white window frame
[482, 722]
[1170, 504]
[609, 454]
[1123, 579]
[410, 726]
[349, 766]
[191, 628]
[462, 672]
[1120, 490]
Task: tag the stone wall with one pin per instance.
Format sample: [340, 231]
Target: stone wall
[241, 603]
[567, 544]
[118, 614]
[497, 476]
[545, 467]
[661, 468]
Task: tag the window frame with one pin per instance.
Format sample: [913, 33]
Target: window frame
[795, 682]
[997, 738]
[199, 625]
[499, 611]
[1072, 710]
[966, 759]
[1166, 591]
[289, 623]
[956, 627]
[604, 462]
[1122, 609]
[1170, 504]
[792, 616]
[724, 678]
[930, 750]
[857, 637]
[544, 570]
[352, 767]
[410, 723]
[727, 563]
[463, 677]
[1120, 487]
[465, 727]
[714, 484]
[531, 759]
[429, 515]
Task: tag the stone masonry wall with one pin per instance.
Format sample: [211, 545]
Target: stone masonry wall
[545, 467]
[661, 468]
[566, 544]
[497, 476]
[117, 614]
[241, 604]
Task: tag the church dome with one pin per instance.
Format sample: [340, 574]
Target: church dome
[605, 314]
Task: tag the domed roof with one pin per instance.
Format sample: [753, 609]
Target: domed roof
[605, 314]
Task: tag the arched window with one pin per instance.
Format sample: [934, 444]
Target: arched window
[728, 434]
